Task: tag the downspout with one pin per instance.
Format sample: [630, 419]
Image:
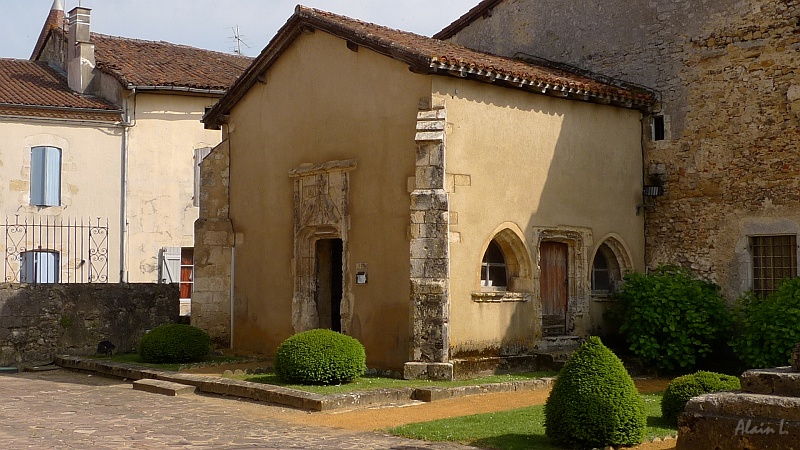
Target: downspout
[233, 230]
[123, 225]
[233, 265]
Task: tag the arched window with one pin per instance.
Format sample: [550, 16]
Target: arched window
[601, 276]
[608, 267]
[493, 268]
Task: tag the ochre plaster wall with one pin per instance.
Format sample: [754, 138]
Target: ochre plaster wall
[323, 102]
[90, 176]
[166, 132]
[727, 73]
[524, 161]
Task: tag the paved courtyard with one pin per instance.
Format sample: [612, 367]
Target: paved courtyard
[63, 409]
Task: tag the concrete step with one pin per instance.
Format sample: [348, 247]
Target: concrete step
[163, 387]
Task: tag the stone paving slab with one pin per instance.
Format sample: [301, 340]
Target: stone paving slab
[293, 397]
[163, 387]
[72, 410]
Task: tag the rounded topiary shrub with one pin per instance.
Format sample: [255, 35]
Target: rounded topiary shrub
[320, 357]
[671, 319]
[594, 402]
[768, 328]
[681, 389]
[174, 343]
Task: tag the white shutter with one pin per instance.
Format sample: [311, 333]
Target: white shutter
[199, 154]
[170, 267]
[45, 176]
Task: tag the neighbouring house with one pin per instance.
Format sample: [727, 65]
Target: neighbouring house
[442, 205]
[723, 139]
[100, 154]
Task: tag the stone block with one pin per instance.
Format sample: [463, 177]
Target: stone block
[780, 381]
[414, 370]
[429, 177]
[429, 248]
[162, 387]
[430, 125]
[429, 200]
[435, 136]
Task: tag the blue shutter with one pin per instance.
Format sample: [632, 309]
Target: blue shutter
[45, 176]
[39, 266]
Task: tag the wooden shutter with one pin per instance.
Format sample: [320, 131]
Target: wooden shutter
[170, 267]
[199, 154]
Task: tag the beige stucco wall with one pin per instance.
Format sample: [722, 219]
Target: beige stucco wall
[166, 130]
[524, 161]
[322, 102]
[90, 176]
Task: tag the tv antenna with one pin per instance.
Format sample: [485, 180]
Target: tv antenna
[238, 38]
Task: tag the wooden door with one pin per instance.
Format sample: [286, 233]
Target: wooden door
[554, 285]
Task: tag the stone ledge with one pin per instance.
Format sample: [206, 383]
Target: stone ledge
[286, 396]
[780, 381]
[500, 296]
[162, 387]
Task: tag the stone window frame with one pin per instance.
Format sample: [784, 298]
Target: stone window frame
[613, 248]
[744, 254]
[519, 267]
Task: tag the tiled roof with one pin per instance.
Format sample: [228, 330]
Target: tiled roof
[433, 56]
[148, 63]
[27, 86]
[481, 9]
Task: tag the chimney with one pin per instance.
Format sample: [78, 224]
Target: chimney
[80, 51]
[54, 20]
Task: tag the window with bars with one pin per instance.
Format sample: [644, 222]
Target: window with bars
[774, 260]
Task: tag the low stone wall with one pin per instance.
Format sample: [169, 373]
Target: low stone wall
[38, 322]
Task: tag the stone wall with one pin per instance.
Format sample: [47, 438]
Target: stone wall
[730, 95]
[213, 249]
[38, 322]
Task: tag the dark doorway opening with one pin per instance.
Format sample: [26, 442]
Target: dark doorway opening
[329, 283]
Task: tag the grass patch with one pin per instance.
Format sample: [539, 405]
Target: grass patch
[133, 358]
[517, 429]
[369, 382]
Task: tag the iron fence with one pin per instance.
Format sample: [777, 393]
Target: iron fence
[55, 250]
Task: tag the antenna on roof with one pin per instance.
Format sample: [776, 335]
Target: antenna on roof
[238, 38]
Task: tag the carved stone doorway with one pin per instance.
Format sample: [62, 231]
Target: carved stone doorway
[329, 283]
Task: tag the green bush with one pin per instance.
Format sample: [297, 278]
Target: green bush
[681, 389]
[174, 343]
[320, 357]
[671, 319]
[594, 402]
[769, 328]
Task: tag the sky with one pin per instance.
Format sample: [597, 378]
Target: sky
[210, 24]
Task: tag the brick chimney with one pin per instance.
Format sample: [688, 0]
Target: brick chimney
[80, 51]
[54, 20]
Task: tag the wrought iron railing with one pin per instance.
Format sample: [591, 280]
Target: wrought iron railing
[55, 250]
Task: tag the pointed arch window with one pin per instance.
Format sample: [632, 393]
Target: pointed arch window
[493, 268]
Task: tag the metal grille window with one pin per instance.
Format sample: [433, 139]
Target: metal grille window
[774, 260]
[45, 176]
[493, 267]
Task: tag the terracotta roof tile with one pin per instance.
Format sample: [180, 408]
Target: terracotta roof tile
[25, 84]
[150, 63]
[428, 55]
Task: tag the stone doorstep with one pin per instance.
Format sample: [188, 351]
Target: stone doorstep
[290, 397]
[163, 387]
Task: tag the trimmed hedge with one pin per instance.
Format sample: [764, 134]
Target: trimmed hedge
[174, 343]
[671, 319]
[594, 402]
[769, 328]
[681, 389]
[320, 357]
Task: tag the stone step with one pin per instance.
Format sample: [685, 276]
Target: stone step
[472, 367]
[780, 381]
[163, 387]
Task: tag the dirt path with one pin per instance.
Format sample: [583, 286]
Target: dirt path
[379, 418]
